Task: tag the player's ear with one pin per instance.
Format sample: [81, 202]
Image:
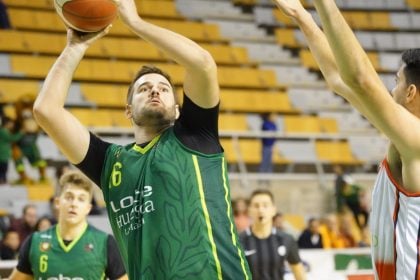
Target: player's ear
[412, 93]
[177, 111]
[128, 112]
[89, 208]
[56, 202]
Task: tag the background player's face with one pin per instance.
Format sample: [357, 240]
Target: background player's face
[400, 89]
[74, 205]
[153, 102]
[261, 209]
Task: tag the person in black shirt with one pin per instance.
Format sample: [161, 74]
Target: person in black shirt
[310, 237]
[267, 248]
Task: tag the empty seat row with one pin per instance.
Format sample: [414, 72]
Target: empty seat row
[30, 66]
[308, 152]
[48, 20]
[370, 40]
[349, 4]
[106, 95]
[123, 48]
[382, 61]
[249, 151]
[364, 20]
[147, 8]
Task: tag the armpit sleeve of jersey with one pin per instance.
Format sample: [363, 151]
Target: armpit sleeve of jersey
[93, 162]
[115, 268]
[293, 249]
[197, 128]
[24, 263]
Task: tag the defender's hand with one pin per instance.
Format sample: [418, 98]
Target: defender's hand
[290, 7]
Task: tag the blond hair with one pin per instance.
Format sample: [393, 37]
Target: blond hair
[77, 179]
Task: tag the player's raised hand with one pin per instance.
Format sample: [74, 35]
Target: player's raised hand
[85, 38]
[290, 7]
[127, 10]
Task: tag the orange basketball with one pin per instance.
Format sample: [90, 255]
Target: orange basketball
[86, 15]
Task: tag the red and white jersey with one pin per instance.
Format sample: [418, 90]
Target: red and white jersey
[395, 226]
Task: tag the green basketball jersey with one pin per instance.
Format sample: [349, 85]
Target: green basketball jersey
[85, 258]
[170, 211]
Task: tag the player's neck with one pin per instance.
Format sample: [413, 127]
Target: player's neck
[261, 230]
[145, 134]
[69, 231]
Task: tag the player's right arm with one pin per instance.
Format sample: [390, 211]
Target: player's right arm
[320, 49]
[356, 70]
[67, 132]
[17, 275]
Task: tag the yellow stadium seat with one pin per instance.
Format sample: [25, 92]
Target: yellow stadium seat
[357, 20]
[380, 21]
[301, 124]
[335, 152]
[233, 122]
[158, 8]
[415, 4]
[93, 117]
[328, 125]
[31, 66]
[247, 77]
[38, 42]
[49, 20]
[225, 54]
[309, 61]
[46, 4]
[12, 41]
[286, 37]
[40, 192]
[257, 101]
[12, 90]
[283, 18]
[249, 150]
[104, 95]
[119, 119]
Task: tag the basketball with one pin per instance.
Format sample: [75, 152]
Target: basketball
[86, 15]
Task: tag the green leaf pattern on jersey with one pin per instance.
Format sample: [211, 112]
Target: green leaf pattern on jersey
[179, 248]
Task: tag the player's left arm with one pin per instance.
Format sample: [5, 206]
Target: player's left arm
[298, 271]
[200, 83]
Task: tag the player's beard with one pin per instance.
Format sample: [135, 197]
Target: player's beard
[152, 116]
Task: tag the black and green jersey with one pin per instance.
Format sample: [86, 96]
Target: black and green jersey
[170, 210]
[84, 258]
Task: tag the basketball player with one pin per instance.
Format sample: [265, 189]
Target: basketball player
[167, 194]
[395, 218]
[72, 249]
[266, 247]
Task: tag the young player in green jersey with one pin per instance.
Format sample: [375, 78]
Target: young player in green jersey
[72, 249]
[167, 194]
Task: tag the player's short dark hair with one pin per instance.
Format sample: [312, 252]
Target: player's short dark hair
[147, 69]
[75, 178]
[262, 192]
[411, 59]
